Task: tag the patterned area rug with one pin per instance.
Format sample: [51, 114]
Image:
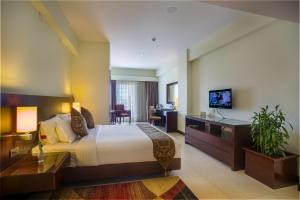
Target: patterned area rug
[158, 188]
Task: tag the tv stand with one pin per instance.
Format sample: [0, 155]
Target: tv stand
[223, 139]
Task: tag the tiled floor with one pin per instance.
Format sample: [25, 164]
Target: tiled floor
[210, 179]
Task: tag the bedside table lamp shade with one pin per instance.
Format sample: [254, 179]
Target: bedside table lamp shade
[26, 119]
[76, 106]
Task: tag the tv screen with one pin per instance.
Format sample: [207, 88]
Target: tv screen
[220, 98]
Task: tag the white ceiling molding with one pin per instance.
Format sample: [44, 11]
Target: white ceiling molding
[133, 78]
[54, 26]
[232, 32]
[280, 9]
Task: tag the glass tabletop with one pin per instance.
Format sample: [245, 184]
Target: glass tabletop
[233, 122]
[29, 165]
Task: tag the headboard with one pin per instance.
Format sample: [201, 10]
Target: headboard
[47, 107]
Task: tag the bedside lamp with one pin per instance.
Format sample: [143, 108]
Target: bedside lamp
[76, 106]
[26, 121]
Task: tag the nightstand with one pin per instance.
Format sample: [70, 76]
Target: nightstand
[26, 175]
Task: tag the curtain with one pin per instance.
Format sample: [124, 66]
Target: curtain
[126, 95]
[113, 97]
[151, 95]
[136, 96]
[141, 103]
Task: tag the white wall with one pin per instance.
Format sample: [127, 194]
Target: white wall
[34, 60]
[90, 79]
[176, 70]
[164, 79]
[182, 89]
[261, 68]
[130, 74]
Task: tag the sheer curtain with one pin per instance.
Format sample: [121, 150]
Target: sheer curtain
[126, 94]
[137, 96]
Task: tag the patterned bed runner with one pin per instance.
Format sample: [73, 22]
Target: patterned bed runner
[163, 145]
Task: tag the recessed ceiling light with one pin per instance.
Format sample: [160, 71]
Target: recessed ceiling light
[172, 9]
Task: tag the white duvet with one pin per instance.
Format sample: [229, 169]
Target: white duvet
[109, 144]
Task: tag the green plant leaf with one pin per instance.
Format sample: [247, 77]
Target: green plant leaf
[269, 132]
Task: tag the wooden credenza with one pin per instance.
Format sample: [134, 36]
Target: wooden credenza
[222, 139]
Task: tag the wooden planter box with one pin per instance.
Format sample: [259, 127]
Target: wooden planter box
[273, 172]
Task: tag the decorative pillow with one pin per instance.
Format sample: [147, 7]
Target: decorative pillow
[64, 131]
[48, 128]
[88, 117]
[78, 123]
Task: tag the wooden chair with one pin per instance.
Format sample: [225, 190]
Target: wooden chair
[152, 117]
[121, 113]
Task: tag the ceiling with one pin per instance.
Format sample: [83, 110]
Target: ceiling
[130, 27]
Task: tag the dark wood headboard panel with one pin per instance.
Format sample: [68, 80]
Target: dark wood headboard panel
[47, 107]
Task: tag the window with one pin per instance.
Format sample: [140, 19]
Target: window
[126, 93]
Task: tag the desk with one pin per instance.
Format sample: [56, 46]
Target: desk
[169, 119]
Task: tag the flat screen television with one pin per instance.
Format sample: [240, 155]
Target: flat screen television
[220, 98]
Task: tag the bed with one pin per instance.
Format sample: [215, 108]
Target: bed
[107, 151]
[111, 151]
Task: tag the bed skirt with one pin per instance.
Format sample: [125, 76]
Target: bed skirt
[93, 173]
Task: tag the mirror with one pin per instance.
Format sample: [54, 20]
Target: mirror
[172, 93]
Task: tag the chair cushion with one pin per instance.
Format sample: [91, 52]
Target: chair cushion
[155, 117]
[88, 117]
[78, 123]
[124, 114]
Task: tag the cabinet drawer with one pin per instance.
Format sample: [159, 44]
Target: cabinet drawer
[215, 141]
[27, 183]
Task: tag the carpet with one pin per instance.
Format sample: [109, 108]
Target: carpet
[157, 188]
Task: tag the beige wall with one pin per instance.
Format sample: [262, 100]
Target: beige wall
[90, 79]
[261, 68]
[233, 31]
[34, 61]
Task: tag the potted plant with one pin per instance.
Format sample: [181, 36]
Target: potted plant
[268, 161]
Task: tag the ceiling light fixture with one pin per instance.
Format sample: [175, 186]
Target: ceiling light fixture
[172, 9]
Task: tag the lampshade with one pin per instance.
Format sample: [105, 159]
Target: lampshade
[76, 106]
[26, 119]
[65, 107]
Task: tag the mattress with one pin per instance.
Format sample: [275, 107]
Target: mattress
[109, 144]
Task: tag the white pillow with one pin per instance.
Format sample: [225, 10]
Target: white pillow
[64, 116]
[48, 128]
[64, 131]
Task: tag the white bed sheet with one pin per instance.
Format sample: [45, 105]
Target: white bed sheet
[109, 144]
